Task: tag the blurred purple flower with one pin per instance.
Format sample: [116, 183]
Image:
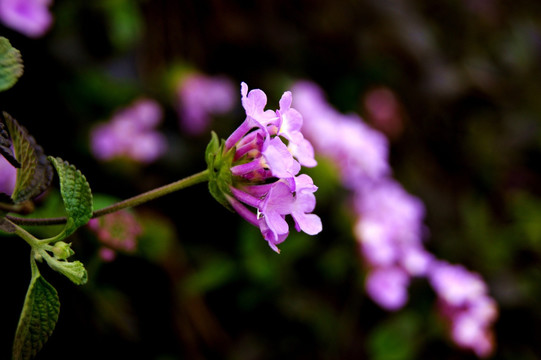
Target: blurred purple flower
[8, 176]
[130, 134]
[117, 231]
[200, 97]
[465, 303]
[389, 226]
[384, 111]
[455, 285]
[360, 152]
[265, 172]
[388, 287]
[30, 17]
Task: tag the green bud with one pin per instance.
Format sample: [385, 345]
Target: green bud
[62, 250]
[38, 257]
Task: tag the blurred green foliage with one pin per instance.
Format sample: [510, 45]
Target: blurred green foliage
[204, 284]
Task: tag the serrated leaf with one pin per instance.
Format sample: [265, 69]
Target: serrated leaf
[11, 64]
[5, 147]
[35, 173]
[76, 194]
[38, 317]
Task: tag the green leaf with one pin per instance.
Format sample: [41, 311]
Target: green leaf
[11, 64]
[35, 173]
[38, 317]
[76, 195]
[73, 270]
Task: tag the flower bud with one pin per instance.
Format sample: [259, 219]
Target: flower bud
[62, 250]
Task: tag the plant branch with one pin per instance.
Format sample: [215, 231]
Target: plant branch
[131, 202]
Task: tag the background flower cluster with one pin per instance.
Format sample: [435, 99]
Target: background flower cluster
[431, 233]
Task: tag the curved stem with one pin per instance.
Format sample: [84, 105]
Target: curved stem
[26, 236]
[131, 202]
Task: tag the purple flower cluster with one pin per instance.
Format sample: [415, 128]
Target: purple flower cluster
[269, 150]
[389, 225]
[130, 134]
[389, 230]
[359, 151]
[8, 176]
[200, 97]
[464, 301]
[30, 17]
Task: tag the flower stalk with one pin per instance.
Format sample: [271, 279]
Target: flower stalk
[131, 202]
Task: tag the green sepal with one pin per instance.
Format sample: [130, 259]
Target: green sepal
[76, 195]
[219, 164]
[35, 172]
[38, 317]
[11, 64]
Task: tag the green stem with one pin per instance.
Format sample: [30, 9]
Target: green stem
[131, 202]
[26, 236]
[154, 194]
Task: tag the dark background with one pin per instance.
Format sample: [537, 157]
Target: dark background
[203, 284]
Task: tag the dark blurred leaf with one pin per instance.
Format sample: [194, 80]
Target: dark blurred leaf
[5, 147]
[35, 174]
[124, 22]
[159, 239]
[396, 339]
[11, 64]
[214, 273]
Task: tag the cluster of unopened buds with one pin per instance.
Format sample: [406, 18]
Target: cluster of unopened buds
[258, 167]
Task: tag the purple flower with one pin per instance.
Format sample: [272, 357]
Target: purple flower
[279, 160]
[264, 171]
[130, 134]
[254, 103]
[30, 17]
[200, 97]
[8, 176]
[304, 204]
[272, 210]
